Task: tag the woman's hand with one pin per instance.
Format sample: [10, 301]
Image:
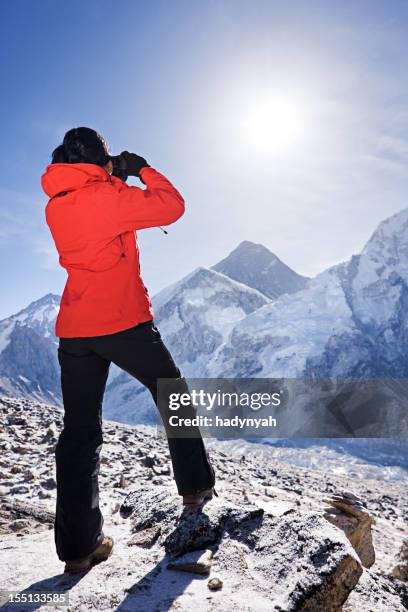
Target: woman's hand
[134, 163]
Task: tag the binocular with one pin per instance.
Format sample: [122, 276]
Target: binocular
[119, 166]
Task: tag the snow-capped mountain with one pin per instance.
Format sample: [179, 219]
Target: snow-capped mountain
[255, 266]
[28, 358]
[350, 321]
[195, 316]
[39, 316]
[198, 313]
[205, 304]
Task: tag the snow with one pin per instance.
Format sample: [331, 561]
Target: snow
[5, 331]
[23, 378]
[225, 318]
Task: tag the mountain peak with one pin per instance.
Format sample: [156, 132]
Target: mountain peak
[48, 298]
[256, 266]
[253, 248]
[49, 301]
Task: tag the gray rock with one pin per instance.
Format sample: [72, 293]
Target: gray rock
[215, 584]
[19, 489]
[20, 525]
[186, 531]
[145, 538]
[157, 481]
[151, 506]
[121, 483]
[49, 483]
[44, 494]
[309, 563]
[197, 562]
[52, 432]
[196, 530]
[21, 449]
[377, 593]
[149, 460]
[29, 475]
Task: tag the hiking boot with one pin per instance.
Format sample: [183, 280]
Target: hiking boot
[99, 554]
[195, 500]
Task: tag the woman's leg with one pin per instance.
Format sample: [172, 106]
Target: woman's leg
[78, 520]
[140, 351]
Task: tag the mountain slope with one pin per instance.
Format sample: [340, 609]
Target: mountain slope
[28, 359]
[255, 266]
[195, 316]
[198, 312]
[39, 315]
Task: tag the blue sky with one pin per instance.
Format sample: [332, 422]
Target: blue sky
[176, 82]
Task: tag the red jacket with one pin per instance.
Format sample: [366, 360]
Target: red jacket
[93, 217]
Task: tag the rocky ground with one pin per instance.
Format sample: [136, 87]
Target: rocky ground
[278, 537]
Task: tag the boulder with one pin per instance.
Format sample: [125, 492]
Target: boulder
[348, 513]
[309, 564]
[183, 532]
[150, 506]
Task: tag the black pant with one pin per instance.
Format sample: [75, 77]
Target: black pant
[85, 363]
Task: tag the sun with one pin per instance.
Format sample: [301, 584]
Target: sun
[273, 124]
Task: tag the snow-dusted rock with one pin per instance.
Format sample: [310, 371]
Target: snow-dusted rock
[196, 530]
[309, 564]
[377, 593]
[183, 532]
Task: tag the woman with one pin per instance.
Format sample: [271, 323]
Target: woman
[106, 316]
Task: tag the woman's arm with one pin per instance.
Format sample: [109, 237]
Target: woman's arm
[159, 204]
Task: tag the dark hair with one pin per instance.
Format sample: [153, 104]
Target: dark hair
[82, 146]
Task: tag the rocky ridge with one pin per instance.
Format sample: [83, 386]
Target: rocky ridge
[285, 537]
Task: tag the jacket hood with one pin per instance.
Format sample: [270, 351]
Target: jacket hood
[68, 177]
